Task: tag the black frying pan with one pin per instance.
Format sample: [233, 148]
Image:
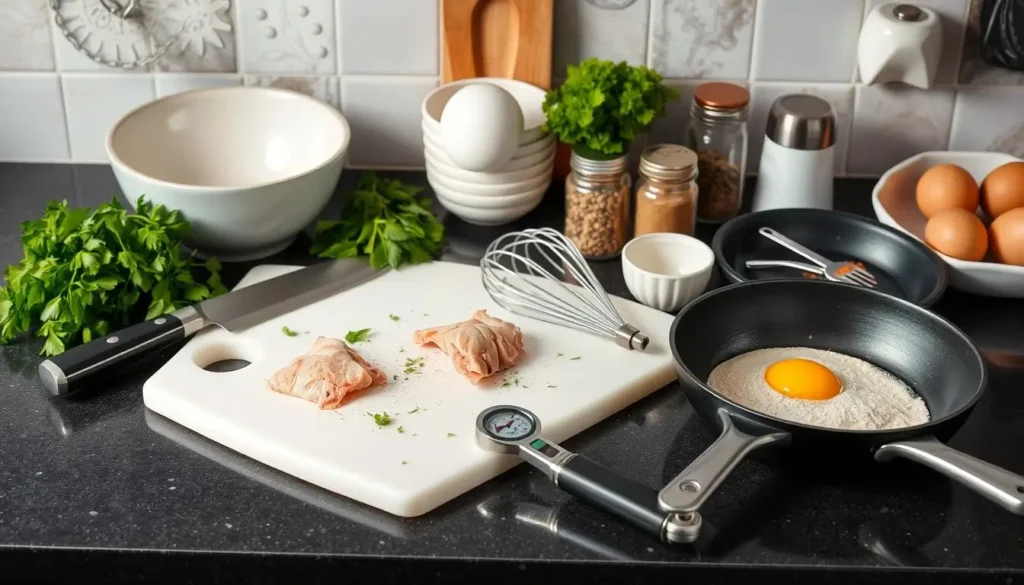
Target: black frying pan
[903, 266]
[927, 352]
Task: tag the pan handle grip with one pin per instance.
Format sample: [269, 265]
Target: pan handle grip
[694, 485]
[999, 485]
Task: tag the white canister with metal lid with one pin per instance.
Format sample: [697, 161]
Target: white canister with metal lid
[797, 158]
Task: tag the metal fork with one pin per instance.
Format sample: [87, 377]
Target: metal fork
[834, 271]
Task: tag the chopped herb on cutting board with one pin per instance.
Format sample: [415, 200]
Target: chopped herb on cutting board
[357, 336]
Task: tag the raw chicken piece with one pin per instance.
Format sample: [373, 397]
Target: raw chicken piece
[480, 347]
[324, 375]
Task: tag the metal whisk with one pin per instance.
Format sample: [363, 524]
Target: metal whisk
[540, 273]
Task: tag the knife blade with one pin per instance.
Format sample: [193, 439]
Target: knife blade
[81, 366]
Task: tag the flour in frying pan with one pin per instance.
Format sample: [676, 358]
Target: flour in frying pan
[871, 398]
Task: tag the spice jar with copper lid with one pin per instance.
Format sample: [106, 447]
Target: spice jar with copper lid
[666, 194]
[718, 134]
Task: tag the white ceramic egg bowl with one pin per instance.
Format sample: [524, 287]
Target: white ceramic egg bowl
[540, 145]
[249, 167]
[529, 97]
[665, 271]
[542, 167]
[487, 201]
[492, 190]
[895, 201]
[486, 216]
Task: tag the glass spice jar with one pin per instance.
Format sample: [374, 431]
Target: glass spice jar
[666, 194]
[718, 134]
[597, 194]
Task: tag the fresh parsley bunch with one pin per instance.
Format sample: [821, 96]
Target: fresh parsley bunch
[86, 272]
[604, 105]
[385, 221]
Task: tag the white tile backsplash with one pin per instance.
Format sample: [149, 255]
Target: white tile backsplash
[385, 118]
[24, 36]
[697, 38]
[607, 29]
[376, 59]
[32, 125]
[806, 40]
[95, 103]
[989, 118]
[287, 36]
[169, 83]
[397, 37]
[324, 89]
[894, 123]
[200, 34]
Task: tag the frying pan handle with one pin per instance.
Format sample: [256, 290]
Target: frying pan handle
[1003, 487]
[694, 485]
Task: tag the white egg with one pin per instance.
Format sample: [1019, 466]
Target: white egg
[480, 127]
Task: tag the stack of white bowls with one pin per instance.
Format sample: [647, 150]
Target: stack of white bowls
[500, 195]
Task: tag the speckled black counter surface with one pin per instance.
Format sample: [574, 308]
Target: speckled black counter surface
[99, 489]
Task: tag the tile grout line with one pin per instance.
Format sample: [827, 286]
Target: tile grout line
[754, 37]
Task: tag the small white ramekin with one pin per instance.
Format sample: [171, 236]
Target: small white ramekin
[666, 271]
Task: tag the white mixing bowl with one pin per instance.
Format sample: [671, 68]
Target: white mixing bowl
[249, 167]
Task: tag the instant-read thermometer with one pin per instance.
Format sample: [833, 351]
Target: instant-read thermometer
[516, 431]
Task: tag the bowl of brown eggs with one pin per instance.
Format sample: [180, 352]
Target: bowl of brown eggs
[969, 208]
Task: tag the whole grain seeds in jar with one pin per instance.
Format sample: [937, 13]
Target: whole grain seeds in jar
[597, 194]
[666, 194]
[718, 134]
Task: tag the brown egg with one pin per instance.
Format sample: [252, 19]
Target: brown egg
[945, 187]
[1006, 237]
[1003, 189]
[957, 233]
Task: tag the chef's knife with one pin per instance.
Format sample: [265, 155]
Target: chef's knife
[81, 366]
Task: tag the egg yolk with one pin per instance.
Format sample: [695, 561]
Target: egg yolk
[800, 378]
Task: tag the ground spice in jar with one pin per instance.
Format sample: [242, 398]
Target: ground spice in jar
[720, 186]
[666, 194]
[597, 195]
[718, 133]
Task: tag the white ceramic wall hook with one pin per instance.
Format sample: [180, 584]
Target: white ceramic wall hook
[900, 43]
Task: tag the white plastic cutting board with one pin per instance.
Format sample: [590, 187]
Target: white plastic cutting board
[435, 458]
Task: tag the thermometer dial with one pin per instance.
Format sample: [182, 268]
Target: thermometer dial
[509, 425]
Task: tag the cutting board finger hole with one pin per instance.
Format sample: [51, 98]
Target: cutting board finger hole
[222, 357]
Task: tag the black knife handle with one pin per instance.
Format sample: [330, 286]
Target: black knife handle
[609, 491]
[78, 367]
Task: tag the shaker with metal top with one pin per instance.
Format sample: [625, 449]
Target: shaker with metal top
[797, 158]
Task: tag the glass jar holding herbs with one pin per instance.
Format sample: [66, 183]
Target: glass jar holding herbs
[597, 205]
[599, 110]
[718, 134]
[666, 194]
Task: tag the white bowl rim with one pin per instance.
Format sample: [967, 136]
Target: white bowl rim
[442, 191]
[686, 241]
[499, 81]
[461, 185]
[207, 189]
[975, 267]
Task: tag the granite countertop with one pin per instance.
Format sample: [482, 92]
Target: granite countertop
[99, 487]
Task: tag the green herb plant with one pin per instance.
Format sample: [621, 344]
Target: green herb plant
[85, 273]
[385, 221]
[603, 106]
